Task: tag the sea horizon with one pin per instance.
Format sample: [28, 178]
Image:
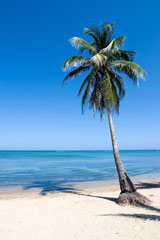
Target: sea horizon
[74, 150]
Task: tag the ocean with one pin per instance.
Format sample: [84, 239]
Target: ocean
[45, 169]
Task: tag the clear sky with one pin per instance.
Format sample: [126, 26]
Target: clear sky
[36, 112]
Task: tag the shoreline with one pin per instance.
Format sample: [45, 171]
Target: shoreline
[88, 186]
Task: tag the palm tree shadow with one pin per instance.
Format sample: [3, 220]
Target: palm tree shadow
[138, 216]
[145, 185]
[51, 187]
[61, 186]
[95, 196]
[149, 207]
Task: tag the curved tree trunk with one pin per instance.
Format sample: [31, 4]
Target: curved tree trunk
[126, 184]
[128, 193]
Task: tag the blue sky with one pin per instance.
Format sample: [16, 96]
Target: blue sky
[36, 112]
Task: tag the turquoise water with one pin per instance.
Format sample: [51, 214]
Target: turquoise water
[31, 169]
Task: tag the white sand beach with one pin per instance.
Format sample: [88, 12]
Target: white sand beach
[88, 215]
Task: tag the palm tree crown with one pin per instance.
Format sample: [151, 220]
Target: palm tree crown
[105, 60]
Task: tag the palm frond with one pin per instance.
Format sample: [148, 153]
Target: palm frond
[98, 60]
[127, 55]
[102, 107]
[74, 61]
[131, 69]
[102, 34]
[93, 31]
[117, 80]
[106, 33]
[110, 94]
[85, 95]
[110, 26]
[87, 80]
[121, 54]
[96, 95]
[75, 73]
[115, 44]
[79, 42]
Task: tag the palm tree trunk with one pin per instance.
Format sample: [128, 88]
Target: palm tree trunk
[126, 184]
[128, 195]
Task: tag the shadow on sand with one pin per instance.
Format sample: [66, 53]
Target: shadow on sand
[94, 196]
[61, 186]
[138, 216]
[51, 187]
[145, 185]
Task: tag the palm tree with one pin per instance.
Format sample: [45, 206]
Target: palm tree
[103, 87]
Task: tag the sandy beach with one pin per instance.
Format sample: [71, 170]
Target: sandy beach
[79, 125]
[89, 214]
